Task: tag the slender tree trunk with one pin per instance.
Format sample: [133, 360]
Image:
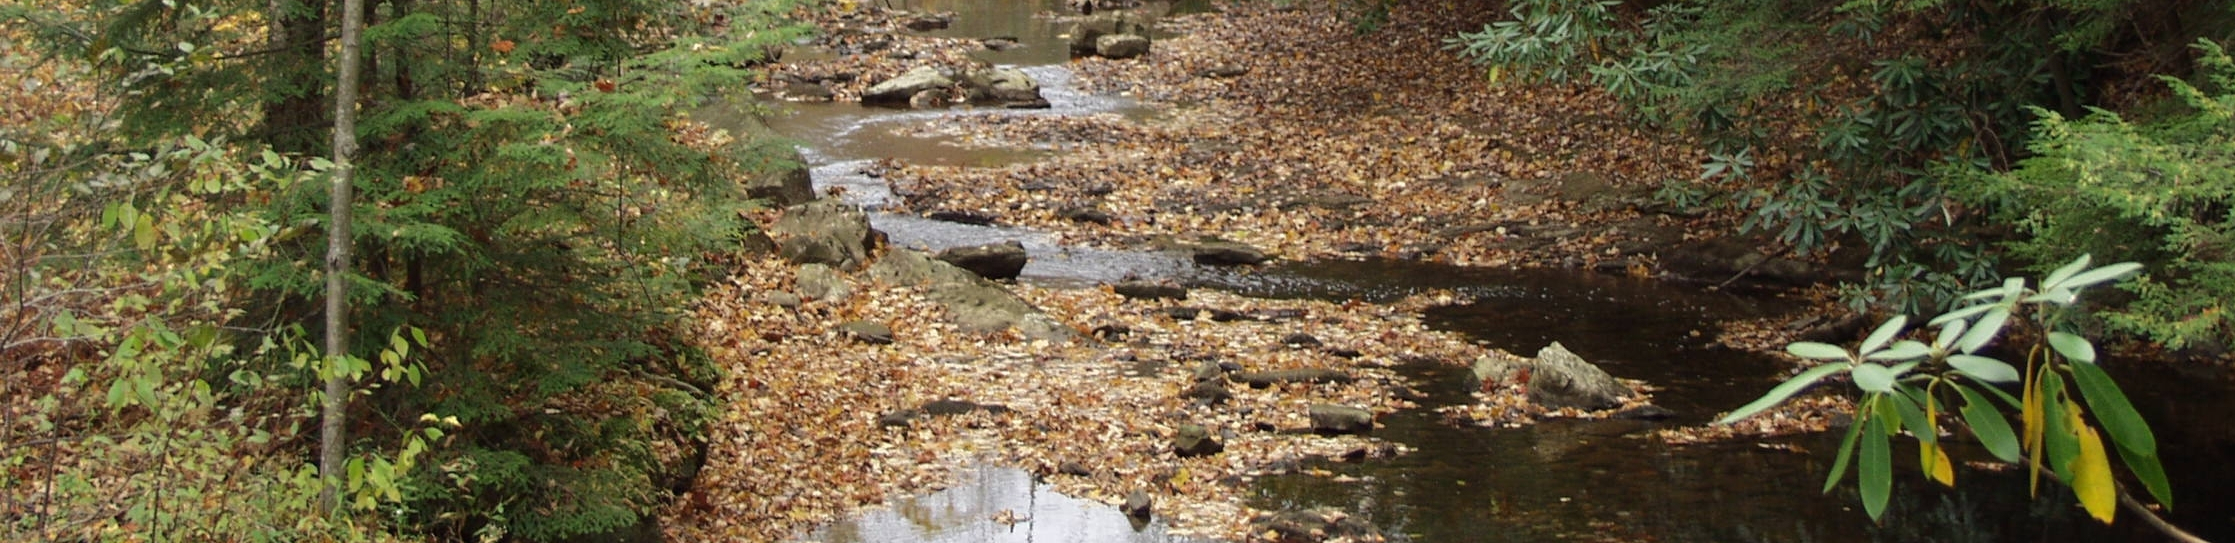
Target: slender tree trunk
[330, 440]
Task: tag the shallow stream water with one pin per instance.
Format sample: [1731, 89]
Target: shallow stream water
[1557, 480]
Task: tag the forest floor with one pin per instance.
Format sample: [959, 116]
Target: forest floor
[1282, 128]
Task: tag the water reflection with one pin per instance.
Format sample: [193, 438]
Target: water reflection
[990, 505]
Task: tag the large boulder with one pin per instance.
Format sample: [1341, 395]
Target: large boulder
[1086, 32]
[997, 261]
[978, 305]
[901, 89]
[1006, 85]
[1561, 379]
[1121, 46]
[824, 232]
[820, 282]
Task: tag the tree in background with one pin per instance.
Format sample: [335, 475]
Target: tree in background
[527, 200]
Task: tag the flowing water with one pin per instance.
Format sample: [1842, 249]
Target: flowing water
[1556, 480]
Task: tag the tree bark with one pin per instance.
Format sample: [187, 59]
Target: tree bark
[330, 438]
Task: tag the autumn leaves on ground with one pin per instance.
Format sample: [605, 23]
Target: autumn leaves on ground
[1278, 127]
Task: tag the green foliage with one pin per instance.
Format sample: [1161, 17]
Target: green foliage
[2158, 193]
[528, 195]
[1909, 384]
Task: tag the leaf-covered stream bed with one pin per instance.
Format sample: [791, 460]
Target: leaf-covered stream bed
[806, 446]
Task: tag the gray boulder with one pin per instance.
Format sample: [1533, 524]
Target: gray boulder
[1194, 440]
[867, 332]
[824, 232]
[996, 261]
[1013, 85]
[1137, 505]
[820, 282]
[1121, 46]
[901, 89]
[1341, 419]
[1561, 379]
[1085, 33]
[978, 305]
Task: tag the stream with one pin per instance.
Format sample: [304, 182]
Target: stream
[1589, 480]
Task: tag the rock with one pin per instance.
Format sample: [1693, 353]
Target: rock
[782, 178]
[1494, 371]
[1192, 313]
[1086, 33]
[806, 92]
[1645, 412]
[1227, 253]
[1013, 85]
[872, 333]
[999, 261]
[1315, 525]
[964, 217]
[1142, 289]
[820, 282]
[1074, 468]
[1208, 391]
[1340, 419]
[1262, 379]
[823, 232]
[1559, 378]
[978, 305]
[1111, 331]
[1121, 46]
[900, 89]
[929, 99]
[938, 408]
[1210, 371]
[1002, 43]
[783, 299]
[1086, 214]
[1193, 440]
[1223, 71]
[1299, 339]
[1136, 505]
[928, 22]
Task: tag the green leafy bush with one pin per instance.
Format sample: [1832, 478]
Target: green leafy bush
[2066, 404]
[2160, 193]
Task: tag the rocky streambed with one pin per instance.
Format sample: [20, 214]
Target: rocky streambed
[1099, 311]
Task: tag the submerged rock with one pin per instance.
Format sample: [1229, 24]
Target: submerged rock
[1314, 525]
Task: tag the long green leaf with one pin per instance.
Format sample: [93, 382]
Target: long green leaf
[1877, 469]
[1883, 334]
[1874, 378]
[1963, 314]
[2098, 275]
[1987, 424]
[2152, 474]
[1782, 391]
[2073, 347]
[2057, 278]
[1901, 350]
[1948, 334]
[2112, 410]
[1913, 415]
[1989, 326]
[1816, 351]
[1846, 451]
[1985, 369]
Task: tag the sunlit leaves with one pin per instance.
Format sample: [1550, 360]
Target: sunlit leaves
[2055, 433]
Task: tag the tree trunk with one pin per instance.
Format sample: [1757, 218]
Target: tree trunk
[330, 439]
